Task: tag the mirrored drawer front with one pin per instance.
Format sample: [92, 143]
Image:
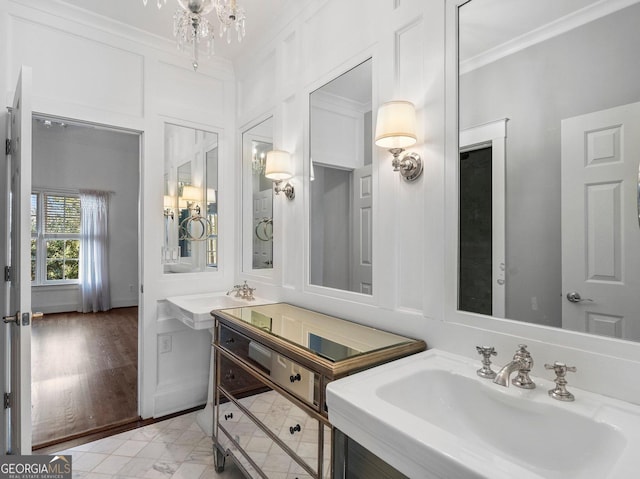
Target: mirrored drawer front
[236, 380]
[230, 420]
[269, 457]
[289, 423]
[297, 379]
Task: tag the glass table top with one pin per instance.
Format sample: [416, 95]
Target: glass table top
[329, 337]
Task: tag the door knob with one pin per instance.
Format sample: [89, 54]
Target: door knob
[574, 297]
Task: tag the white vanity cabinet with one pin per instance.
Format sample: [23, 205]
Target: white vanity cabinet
[273, 363]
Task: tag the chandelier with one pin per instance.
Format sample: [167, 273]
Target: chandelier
[190, 27]
[258, 162]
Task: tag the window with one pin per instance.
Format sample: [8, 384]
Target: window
[55, 237]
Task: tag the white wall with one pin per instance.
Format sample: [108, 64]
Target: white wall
[319, 45]
[106, 73]
[414, 223]
[88, 68]
[77, 157]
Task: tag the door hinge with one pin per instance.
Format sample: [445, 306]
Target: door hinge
[7, 400]
[7, 146]
[7, 273]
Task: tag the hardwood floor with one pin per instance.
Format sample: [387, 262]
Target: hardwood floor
[84, 373]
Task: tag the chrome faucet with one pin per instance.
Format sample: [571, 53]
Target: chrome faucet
[522, 362]
[242, 291]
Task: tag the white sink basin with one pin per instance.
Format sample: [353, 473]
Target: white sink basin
[431, 416]
[194, 310]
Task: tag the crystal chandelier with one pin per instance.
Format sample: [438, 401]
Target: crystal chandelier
[190, 27]
[258, 162]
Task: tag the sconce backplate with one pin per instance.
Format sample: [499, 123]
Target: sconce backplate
[411, 166]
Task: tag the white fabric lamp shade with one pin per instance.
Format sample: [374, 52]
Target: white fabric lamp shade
[211, 195]
[169, 201]
[396, 125]
[191, 193]
[278, 165]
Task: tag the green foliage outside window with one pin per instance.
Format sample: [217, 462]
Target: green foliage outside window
[62, 259]
[55, 244]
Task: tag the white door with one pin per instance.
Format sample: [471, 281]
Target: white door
[20, 255]
[600, 231]
[361, 257]
[263, 230]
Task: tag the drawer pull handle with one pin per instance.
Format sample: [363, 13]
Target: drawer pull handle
[228, 416]
[230, 375]
[230, 341]
[294, 429]
[295, 378]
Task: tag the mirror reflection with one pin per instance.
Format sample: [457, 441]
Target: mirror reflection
[549, 100]
[257, 197]
[340, 250]
[190, 200]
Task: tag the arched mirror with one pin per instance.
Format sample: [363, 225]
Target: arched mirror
[190, 200]
[549, 110]
[257, 195]
[341, 196]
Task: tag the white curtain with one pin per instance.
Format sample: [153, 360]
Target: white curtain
[94, 247]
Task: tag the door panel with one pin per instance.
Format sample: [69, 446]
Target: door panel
[361, 259]
[20, 284]
[600, 234]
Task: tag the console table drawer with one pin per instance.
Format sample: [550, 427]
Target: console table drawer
[281, 370]
[267, 453]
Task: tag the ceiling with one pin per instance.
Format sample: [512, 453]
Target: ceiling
[260, 14]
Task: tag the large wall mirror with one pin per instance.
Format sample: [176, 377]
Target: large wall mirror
[340, 249]
[190, 200]
[257, 196]
[549, 115]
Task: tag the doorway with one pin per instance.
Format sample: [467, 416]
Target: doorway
[84, 365]
[475, 263]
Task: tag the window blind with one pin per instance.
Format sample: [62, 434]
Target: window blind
[61, 214]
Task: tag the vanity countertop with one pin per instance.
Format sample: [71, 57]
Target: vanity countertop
[333, 343]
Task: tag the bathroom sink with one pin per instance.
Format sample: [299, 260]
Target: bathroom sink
[194, 310]
[430, 416]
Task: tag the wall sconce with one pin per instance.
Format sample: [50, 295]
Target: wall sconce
[168, 206]
[396, 130]
[279, 168]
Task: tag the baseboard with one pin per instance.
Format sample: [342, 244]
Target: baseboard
[73, 308]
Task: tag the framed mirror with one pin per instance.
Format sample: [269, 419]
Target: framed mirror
[257, 195]
[341, 186]
[548, 163]
[190, 200]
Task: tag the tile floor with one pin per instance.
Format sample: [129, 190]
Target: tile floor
[172, 449]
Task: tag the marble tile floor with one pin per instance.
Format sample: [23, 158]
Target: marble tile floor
[172, 449]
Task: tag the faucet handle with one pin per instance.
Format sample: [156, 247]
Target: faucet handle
[560, 391]
[522, 380]
[522, 351]
[485, 371]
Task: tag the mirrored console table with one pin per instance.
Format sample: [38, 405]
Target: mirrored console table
[272, 365]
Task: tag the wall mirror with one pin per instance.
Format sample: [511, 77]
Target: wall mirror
[549, 110]
[190, 200]
[341, 192]
[257, 194]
